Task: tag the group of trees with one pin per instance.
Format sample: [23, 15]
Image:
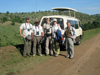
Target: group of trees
[92, 25]
[89, 21]
[13, 19]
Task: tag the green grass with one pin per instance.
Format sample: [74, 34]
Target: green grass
[90, 34]
[9, 35]
[12, 62]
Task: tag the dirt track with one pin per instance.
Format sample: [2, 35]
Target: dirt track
[85, 62]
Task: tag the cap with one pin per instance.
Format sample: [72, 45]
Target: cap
[55, 20]
[36, 21]
[27, 18]
[47, 17]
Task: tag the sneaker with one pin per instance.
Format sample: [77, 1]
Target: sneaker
[51, 54]
[29, 55]
[71, 57]
[25, 56]
[40, 55]
[67, 56]
[56, 55]
[46, 54]
[33, 55]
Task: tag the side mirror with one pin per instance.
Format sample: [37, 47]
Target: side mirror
[82, 26]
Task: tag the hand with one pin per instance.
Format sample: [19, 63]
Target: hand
[33, 39]
[71, 37]
[23, 35]
[55, 31]
[58, 24]
[40, 38]
[62, 43]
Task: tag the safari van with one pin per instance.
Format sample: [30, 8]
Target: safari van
[62, 19]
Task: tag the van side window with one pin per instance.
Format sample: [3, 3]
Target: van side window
[72, 23]
[76, 24]
[43, 21]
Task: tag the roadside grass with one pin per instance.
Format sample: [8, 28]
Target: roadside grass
[90, 34]
[12, 62]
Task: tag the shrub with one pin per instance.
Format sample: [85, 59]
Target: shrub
[13, 23]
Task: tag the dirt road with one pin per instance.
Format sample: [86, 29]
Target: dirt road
[85, 62]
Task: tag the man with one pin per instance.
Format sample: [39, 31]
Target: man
[70, 35]
[36, 37]
[47, 28]
[55, 43]
[27, 29]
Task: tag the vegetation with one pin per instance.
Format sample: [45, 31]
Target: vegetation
[92, 25]
[11, 60]
[19, 17]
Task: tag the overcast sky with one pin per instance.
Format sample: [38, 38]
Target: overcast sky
[85, 6]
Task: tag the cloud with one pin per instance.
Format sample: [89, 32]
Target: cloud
[89, 10]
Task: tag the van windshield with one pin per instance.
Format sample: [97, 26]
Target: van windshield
[59, 21]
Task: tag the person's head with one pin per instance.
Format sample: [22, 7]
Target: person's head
[37, 23]
[54, 21]
[47, 19]
[27, 19]
[68, 24]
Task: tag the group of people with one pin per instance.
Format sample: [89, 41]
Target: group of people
[49, 30]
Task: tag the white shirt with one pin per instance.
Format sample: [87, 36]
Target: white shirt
[36, 29]
[24, 28]
[55, 27]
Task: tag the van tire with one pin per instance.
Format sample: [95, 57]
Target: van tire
[79, 41]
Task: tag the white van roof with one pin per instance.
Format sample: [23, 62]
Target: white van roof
[62, 16]
[63, 9]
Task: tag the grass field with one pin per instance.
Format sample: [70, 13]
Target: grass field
[11, 60]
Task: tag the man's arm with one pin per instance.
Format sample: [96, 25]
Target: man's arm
[74, 33]
[32, 36]
[41, 35]
[20, 31]
[43, 29]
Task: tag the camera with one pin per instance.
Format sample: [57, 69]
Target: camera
[37, 33]
[28, 29]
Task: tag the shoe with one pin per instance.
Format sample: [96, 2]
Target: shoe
[71, 57]
[25, 56]
[51, 54]
[67, 56]
[40, 55]
[33, 55]
[56, 55]
[29, 55]
[46, 54]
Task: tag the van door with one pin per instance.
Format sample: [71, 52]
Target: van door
[77, 28]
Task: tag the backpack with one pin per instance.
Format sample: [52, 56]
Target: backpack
[59, 36]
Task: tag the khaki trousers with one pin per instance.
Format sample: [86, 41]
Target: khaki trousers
[49, 40]
[56, 46]
[36, 45]
[27, 47]
[70, 47]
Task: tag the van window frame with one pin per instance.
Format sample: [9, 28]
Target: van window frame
[74, 23]
[70, 22]
[77, 24]
[51, 22]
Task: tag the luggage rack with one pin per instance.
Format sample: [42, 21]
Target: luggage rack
[65, 9]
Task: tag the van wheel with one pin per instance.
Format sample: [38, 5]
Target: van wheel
[79, 41]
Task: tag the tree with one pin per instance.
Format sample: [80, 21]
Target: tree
[13, 23]
[4, 19]
[7, 12]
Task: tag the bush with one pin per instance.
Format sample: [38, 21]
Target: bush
[13, 23]
[4, 19]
